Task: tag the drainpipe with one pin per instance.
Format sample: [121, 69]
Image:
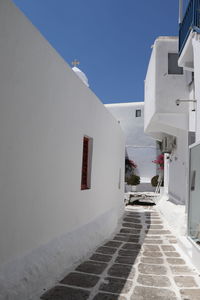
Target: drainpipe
[180, 19]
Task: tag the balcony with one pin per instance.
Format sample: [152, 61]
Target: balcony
[162, 87]
[191, 22]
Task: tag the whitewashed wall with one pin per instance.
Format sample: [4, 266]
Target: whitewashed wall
[190, 60]
[161, 91]
[149, 89]
[196, 51]
[46, 222]
[163, 117]
[192, 108]
[178, 170]
[140, 147]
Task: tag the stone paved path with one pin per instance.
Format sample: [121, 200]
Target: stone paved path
[141, 262]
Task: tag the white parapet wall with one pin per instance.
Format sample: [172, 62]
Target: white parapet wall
[47, 223]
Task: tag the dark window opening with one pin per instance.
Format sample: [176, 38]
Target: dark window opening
[173, 67]
[192, 76]
[86, 163]
[138, 113]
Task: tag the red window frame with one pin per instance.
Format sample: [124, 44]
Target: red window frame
[85, 158]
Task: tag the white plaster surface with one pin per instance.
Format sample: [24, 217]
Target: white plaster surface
[56, 257]
[45, 110]
[190, 60]
[163, 117]
[138, 271]
[174, 214]
[175, 217]
[192, 108]
[81, 75]
[162, 90]
[196, 51]
[178, 169]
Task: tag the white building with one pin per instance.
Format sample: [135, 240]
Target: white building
[189, 59]
[172, 114]
[164, 119]
[61, 162]
[140, 147]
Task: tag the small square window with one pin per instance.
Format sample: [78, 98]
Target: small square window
[138, 113]
[173, 67]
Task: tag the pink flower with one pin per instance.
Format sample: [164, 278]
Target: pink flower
[159, 161]
[130, 163]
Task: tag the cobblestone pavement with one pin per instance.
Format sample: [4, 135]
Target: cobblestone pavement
[141, 262]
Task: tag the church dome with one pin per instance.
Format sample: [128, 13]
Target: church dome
[81, 75]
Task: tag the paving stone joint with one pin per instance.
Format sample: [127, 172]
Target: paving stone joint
[141, 262]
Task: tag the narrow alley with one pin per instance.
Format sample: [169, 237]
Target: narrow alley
[142, 261]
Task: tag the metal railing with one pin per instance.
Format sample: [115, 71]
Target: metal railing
[191, 21]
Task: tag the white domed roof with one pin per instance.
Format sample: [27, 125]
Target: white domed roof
[81, 75]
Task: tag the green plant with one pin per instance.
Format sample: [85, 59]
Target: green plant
[133, 180]
[154, 181]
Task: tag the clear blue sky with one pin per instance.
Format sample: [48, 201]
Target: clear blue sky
[111, 38]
